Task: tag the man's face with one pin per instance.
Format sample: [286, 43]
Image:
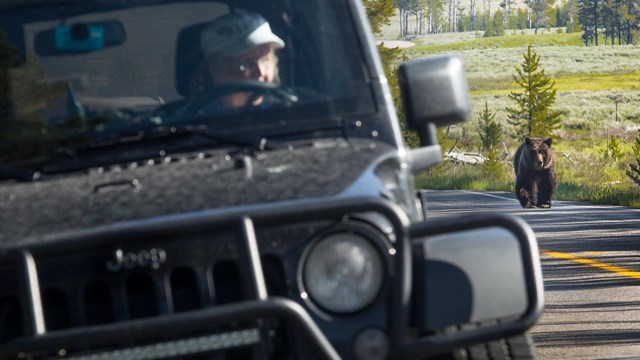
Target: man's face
[257, 64]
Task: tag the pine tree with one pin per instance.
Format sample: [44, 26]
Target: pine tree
[490, 130]
[491, 167]
[490, 29]
[571, 6]
[538, 13]
[533, 115]
[494, 26]
[636, 146]
[379, 13]
[589, 17]
[613, 150]
[633, 172]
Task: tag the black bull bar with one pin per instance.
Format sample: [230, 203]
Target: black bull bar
[263, 306]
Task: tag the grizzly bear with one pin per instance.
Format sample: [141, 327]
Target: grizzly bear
[535, 173]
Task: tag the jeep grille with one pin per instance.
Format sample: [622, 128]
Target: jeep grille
[123, 289]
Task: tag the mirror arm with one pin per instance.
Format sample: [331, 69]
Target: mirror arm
[428, 134]
[424, 158]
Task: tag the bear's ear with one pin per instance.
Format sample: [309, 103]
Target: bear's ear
[548, 142]
[528, 140]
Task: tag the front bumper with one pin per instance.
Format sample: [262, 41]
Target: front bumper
[265, 318]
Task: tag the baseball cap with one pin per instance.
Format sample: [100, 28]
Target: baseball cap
[234, 33]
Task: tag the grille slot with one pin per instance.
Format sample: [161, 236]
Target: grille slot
[228, 284]
[12, 313]
[141, 296]
[184, 290]
[11, 318]
[98, 303]
[56, 309]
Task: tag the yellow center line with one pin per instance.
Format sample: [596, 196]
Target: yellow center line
[596, 264]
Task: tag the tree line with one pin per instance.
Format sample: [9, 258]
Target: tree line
[617, 21]
[608, 21]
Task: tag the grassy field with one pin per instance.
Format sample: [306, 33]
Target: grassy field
[598, 93]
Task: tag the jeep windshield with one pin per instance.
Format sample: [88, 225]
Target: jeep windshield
[124, 79]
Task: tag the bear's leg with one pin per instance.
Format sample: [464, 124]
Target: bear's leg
[544, 203]
[524, 196]
[521, 193]
[533, 194]
[544, 194]
[525, 199]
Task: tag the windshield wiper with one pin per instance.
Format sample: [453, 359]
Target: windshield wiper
[162, 132]
[154, 133]
[254, 143]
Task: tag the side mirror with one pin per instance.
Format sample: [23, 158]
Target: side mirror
[483, 270]
[434, 93]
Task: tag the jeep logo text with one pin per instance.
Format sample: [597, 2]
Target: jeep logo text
[152, 258]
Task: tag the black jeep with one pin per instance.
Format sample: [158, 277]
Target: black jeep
[139, 220]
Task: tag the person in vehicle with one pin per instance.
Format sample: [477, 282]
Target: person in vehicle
[240, 51]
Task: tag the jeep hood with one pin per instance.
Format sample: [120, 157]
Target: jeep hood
[32, 211]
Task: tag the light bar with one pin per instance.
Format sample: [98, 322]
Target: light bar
[178, 347]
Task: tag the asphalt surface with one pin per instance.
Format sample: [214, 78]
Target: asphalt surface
[590, 258]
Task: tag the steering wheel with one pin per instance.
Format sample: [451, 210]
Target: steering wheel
[272, 94]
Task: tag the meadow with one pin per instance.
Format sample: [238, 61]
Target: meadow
[598, 92]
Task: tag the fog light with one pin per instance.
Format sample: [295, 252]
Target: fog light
[372, 344]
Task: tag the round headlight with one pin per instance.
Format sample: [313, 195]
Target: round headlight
[343, 273]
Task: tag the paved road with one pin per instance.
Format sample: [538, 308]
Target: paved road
[591, 268]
